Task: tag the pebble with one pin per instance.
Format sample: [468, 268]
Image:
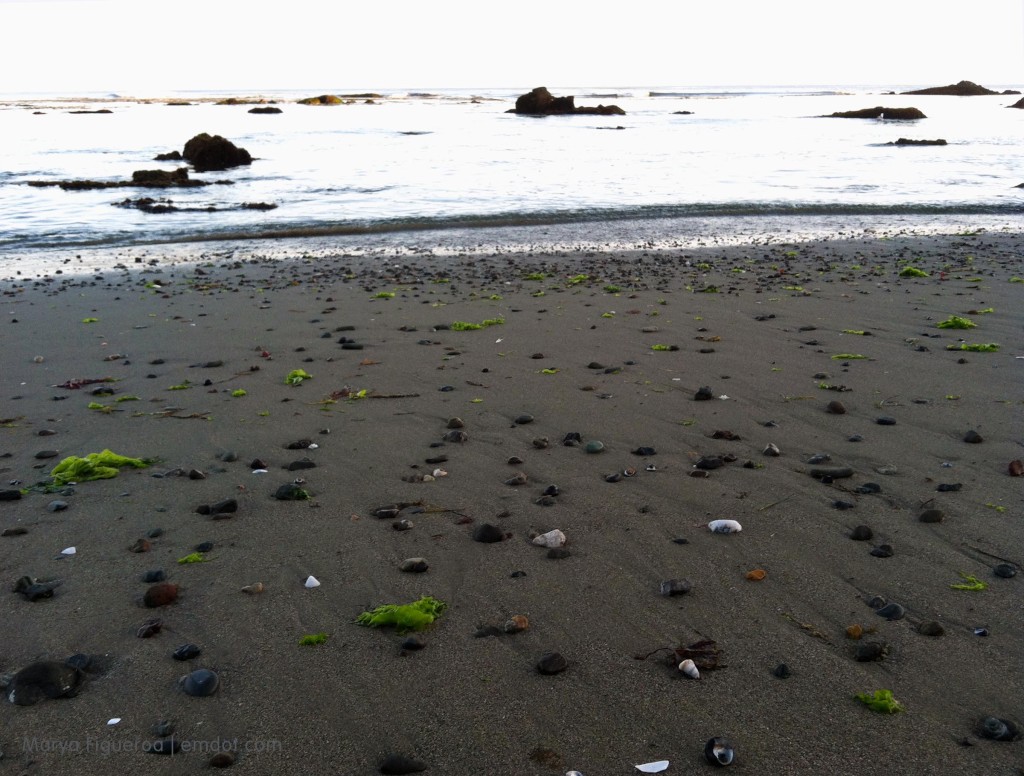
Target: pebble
[836, 408]
[645, 451]
[782, 671]
[886, 420]
[861, 533]
[709, 463]
[402, 525]
[931, 516]
[855, 438]
[160, 594]
[34, 589]
[673, 587]
[703, 393]
[868, 487]
[594, 446]
[830, 472]
[572, 439]
[488, 533]
[455, 423]
[42, 455]
[946, 487]
[1005, 570]
[456, 435]
[226, 505]
[155, 575]
[44, 679]
[412, 644]
[254, 589]
[931, 628]
[163, 728]
[163, 746]
[719, 751]
[554, 538]
[302, 463]
[516, 623]
[186, 652]
[414, 565]
[14, 531]
[149, 628]
[222, 760]
[842, 505]
[57, 506]
[883, 551]
[551, 663]
[200, 683]
[396, 764]
[1015, 469]
[892, 611]
[772, 450]
[973, 438]
[290, 491]
[558, 553]
[996, 729]
[869, 651]
[522, 420]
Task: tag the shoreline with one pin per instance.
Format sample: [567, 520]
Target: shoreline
[757, 322]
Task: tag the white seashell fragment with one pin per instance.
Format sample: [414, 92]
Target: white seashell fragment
[772, 450]
[553, 538]
[440, 473]
[312, 582]
[689, 668]
[724, 526]
[259, 471]
[312, 446]
[68, 551]
[655, 767]
[113, 720]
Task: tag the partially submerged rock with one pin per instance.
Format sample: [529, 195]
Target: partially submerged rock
[213, 152]
[903, 141]
[878, 112]
[540, 102]
[959, 89]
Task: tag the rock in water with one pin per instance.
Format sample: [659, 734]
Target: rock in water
[45, 679]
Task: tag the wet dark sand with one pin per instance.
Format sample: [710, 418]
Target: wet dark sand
[467, 705]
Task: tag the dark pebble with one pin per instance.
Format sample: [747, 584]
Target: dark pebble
[413, 644]
[486, 631]
[843, 504]
[522, 420]
[830, 472]
[488, 533]
[258, 463]
[708, 463]
[399, 764]
[703, 394]
[290, 492]
[949, 488]
[855, 438]
[456, 436]
[552, 663]
[163, 728]
[42, 455]
[645, 451]
[204, 547]
[200, 683]
[154, 533]
[1005, 570]
[57, 506]
[517, 574]
[222, 760]
[868, 487]
[782, 671]
[436, 459]
[302, 463]
[402, 525]
[680, 540]
[156, 575]
[861, 533]
[149, 628]
[883, 551]
[10, 495]
[160, 594]
[886, 420]
[299, 444]
[186, 652]
[414, 565]
[973, 438]
[14, 531]
[558, 553]
[891, 611]
[551, 490]
[931, 516]
[572, 439]
[673, 587]
[836, 408]
[996, 729]
[141, 545]
[868, 651]
[930, 628]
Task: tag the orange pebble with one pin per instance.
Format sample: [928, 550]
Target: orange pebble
[756, 575]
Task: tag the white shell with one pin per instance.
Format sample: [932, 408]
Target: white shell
[553, 538]
[655, 767]
[725, 526]
[312, 582]
[113, 720]
[68, 551]
[689, 668]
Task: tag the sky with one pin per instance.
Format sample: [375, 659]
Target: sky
[144, 47]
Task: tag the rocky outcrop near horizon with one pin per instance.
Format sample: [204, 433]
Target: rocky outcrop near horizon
[212, 152]
[903, 141]
[540, 102]
[878, 112]
[960, 89]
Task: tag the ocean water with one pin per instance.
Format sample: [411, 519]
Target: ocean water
[455, 163]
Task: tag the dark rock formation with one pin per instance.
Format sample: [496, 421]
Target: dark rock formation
[896, 114]
[84, 112]
[208, 152]
[683, 113]
[151, 205]
[903, 141]
[962, 89]
[171, 156]
[1018, 104]
[158, 179]
[540, 102]
[266, 109]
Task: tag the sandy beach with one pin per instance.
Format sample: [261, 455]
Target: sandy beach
[614, 347]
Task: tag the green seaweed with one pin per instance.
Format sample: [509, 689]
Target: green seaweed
[912, 272]
[467, 326]
[575, 280]
[95, 466]
[612, 289]
[978, 347]
[312, 639]
[127, 398]
[180, 387]
[535, 276]
[90, 320]
[848, 357]
[861, 332]
[384, 295]
[296, 376]
[970, 584]
[880, 701]
[664, 347]
[1016, 279]
[404, 617]
[238, 393]
[956, 322]
[194, 557]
